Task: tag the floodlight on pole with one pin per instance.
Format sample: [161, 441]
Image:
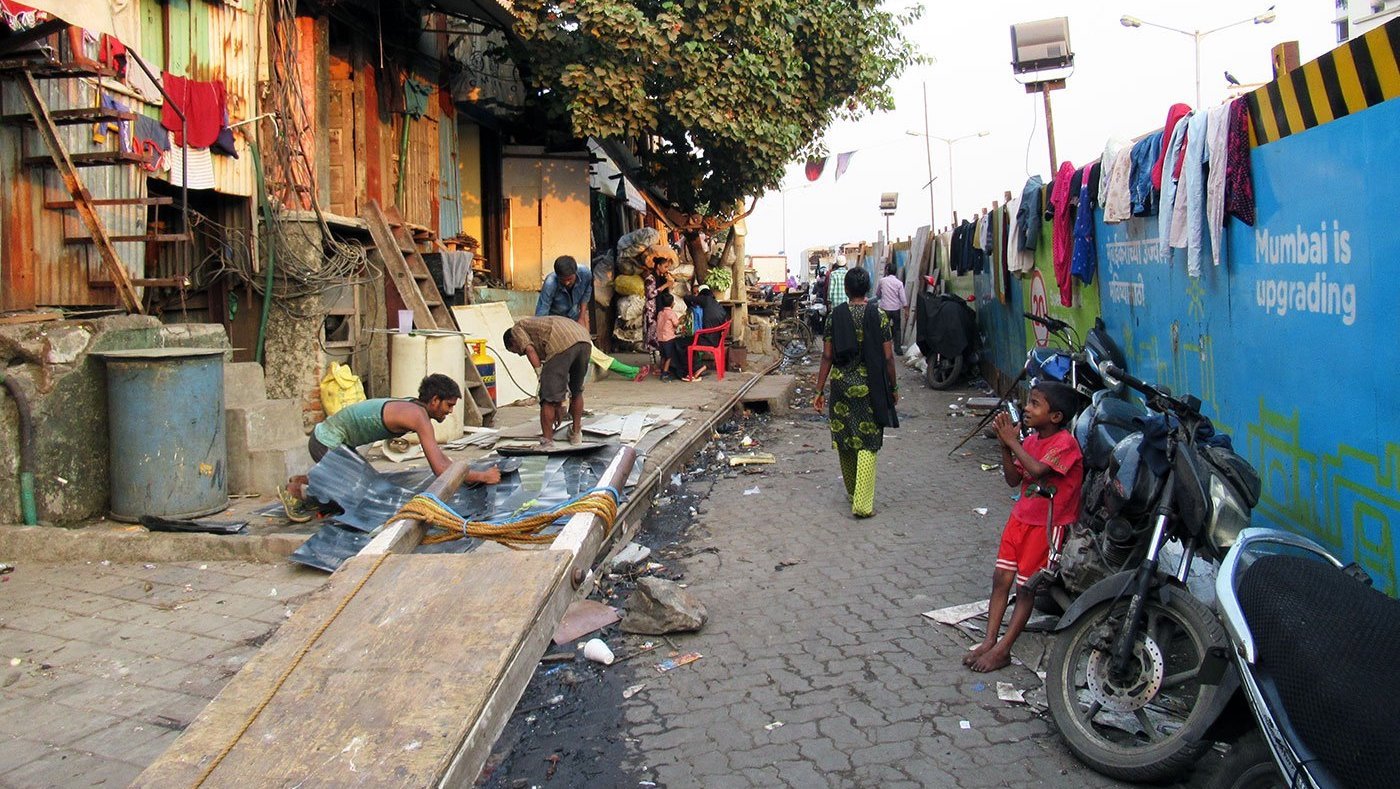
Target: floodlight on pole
[1264, 18]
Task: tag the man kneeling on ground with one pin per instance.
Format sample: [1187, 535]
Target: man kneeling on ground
[559, 350]
[383, 418]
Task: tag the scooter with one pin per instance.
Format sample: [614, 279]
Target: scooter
[1314, 648]
[947, 335]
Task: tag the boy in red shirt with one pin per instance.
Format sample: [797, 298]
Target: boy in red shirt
[1049, 456]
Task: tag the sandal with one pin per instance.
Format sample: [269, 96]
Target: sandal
[643, 372]
[293, 507]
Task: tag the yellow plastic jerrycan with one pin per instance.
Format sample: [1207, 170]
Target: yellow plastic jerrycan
[340, 387]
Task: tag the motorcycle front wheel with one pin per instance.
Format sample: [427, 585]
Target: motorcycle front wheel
[943, 372]
[1145, 726]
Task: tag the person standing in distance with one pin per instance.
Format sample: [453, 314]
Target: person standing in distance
[889, 292]
[566, 292]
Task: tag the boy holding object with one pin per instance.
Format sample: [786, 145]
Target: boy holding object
[1049, 457]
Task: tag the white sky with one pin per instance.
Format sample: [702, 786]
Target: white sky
[1123, 83]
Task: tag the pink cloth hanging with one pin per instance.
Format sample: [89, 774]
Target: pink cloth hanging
[1063, 241]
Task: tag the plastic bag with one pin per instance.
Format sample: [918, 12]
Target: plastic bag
[340, 387]
[629, 285]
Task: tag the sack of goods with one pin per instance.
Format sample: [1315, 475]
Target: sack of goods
[629, 285]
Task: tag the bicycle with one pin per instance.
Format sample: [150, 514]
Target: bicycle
[793, 337]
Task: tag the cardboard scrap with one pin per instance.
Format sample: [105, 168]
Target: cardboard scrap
[584, 617]
[752, 459]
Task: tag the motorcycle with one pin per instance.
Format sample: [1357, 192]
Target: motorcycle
[948, 337]
[1126, 680]
[1314, 648]
[1079, 365]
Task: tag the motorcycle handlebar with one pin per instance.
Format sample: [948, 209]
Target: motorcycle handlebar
[1053, 324]
[1187, 406]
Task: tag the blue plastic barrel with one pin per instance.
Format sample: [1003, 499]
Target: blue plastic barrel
[165, 413]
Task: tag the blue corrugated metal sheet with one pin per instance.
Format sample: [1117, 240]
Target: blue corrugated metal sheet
[450, 183]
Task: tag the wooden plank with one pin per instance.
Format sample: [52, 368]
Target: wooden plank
[389, 692]
[30, 317]
[72, 116]
[66, 205]
[405, 534]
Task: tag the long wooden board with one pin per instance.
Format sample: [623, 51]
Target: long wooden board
[391, 691]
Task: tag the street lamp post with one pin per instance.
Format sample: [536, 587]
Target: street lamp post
[949, 141]
[1196, 36]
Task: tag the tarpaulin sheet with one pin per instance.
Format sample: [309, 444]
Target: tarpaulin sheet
[528, 486]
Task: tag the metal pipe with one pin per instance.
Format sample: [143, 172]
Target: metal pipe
[259, 351]
[28, 511]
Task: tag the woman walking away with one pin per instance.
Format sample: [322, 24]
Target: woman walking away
[859, 358]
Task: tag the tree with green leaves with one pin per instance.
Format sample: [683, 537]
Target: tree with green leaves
[714, 97]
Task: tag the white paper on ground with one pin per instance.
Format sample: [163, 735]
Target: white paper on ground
[954, 614]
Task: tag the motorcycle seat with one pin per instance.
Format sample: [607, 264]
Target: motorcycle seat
[1326, 647]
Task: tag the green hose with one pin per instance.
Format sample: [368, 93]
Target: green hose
[271, 252]
[29, 511]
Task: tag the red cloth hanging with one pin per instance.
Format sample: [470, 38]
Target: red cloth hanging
[1063, 240]
[1174, 114]
[1239, 176]
[203, 104]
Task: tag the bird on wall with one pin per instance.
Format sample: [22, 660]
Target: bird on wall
[1230, 78]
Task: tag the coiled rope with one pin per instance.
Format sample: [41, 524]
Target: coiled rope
[434, 512]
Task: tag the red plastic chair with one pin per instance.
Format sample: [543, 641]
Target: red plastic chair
[717, 351]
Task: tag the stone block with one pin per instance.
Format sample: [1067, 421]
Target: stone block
[264, 468]
[266, 423]
[244, 384]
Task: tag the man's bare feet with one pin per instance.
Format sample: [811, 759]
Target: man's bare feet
[977, 652]
[546, 443]
[991, 660]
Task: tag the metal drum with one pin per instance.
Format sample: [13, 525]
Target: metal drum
[165, 413]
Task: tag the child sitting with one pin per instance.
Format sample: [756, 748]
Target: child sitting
[673, 364]
[1049, 456]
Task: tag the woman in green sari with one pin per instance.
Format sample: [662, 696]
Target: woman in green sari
[858, 357]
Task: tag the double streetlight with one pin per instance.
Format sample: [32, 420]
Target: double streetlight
[1259, 19]
[950, 142]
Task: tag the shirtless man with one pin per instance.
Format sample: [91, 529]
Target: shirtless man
[382, 418]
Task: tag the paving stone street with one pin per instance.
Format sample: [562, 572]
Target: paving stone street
[815, 622]
[106, 663]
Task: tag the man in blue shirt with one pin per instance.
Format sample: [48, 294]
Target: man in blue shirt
[566, 292]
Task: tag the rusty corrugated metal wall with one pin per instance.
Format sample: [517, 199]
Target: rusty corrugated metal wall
[41, 264]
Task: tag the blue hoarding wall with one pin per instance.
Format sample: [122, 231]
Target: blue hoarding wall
[1293, 341]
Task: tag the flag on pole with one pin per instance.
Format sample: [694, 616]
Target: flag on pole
[815, 167]
[843, 160]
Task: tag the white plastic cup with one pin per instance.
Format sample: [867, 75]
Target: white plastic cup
[405, 321]
[598, 652]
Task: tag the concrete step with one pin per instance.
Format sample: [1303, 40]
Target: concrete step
[265, 468]
[243, 384]
[771, 395]
[261, 424]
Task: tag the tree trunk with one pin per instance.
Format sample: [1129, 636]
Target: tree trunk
[739, 289]
[699, 255]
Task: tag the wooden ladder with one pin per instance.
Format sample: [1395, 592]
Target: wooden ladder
[45, 121]
[396, 247]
